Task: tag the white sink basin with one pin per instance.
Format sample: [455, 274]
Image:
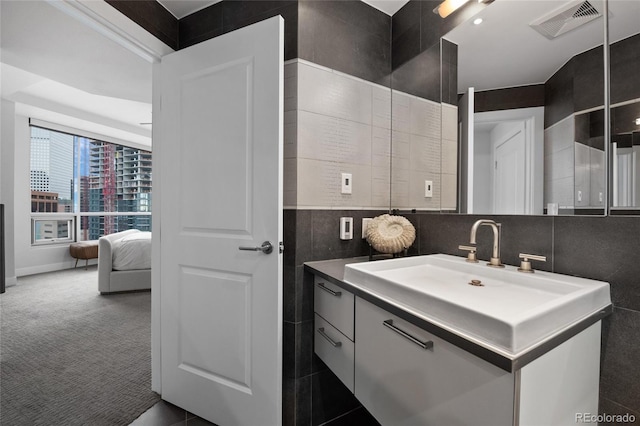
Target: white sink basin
[512, 311]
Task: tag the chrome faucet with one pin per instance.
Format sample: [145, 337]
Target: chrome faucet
[495, 254]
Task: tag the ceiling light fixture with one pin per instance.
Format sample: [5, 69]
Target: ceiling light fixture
[477, 21]
[447, 7]
[638, 121]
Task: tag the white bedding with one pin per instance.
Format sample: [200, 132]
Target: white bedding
[132, 252]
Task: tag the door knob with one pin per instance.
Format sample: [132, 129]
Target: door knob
[266, 248]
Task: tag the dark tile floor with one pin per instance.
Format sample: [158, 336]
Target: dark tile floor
[165, 414]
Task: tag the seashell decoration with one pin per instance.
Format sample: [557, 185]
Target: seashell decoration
[390, 234]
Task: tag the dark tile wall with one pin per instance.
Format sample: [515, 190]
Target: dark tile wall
[151, 16]
[312, 393]
[230, 15]
[558, 95]
[406, 30]
[348, 36]
[449, 70]
[625, 63]
[509, 98]
[432, 74]
[420, 76]
[588, 79]
[200, 26]
[579, 84]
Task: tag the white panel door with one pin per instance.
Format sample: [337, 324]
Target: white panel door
[509, 174]
[219, 131]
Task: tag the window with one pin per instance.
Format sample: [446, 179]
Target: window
[107, 187]
[52, 230]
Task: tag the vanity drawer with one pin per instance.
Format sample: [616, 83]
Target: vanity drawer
[335, 305]
[431, 381]
[335, 350]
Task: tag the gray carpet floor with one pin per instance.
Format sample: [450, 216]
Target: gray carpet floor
[69, 356]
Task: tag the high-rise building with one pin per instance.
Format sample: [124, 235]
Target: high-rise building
[133, 186]
[52, 163]
[119, 180]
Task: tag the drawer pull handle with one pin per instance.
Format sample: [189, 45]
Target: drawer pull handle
[329, 339]
[328, 290]
[424, 345]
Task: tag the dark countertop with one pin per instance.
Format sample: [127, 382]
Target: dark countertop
[333, 271]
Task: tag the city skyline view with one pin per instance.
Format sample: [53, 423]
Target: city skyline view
[75, 174]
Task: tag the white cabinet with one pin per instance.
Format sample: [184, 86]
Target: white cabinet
[402, 383]
[333, 340]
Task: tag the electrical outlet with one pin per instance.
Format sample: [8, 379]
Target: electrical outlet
[428, 188]
[347, 183]
[579, 195]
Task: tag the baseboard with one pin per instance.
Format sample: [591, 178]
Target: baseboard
[10, 281]
[52, 267]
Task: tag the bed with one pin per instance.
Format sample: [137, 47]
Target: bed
[124, 261]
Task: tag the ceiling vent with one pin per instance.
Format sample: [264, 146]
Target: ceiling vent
[565, 19]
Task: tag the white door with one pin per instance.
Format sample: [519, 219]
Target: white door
[509, 174]
[218, 140]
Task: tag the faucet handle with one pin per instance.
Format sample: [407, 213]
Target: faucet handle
[525, 264]
[471, 256]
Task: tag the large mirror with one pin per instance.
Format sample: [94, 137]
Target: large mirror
[424, 136]
[532, 78]
[625, 106]
[530, 99]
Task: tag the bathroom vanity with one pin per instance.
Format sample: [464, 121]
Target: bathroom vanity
[439, 353]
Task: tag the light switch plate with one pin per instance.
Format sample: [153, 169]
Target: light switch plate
[347, 183]
[346, 228]
[428, 188]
